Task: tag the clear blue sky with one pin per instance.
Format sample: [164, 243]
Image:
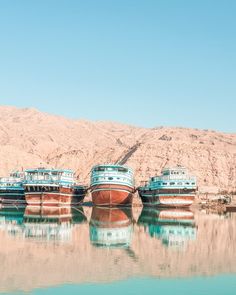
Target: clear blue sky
[147, 63]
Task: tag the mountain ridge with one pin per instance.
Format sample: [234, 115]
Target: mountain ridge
[30, 138]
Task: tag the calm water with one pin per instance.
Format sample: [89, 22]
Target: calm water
[114, 251]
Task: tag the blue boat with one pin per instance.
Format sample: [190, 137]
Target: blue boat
[175, 187]
[12, 189]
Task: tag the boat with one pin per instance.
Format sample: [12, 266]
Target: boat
[112, 185]
[175, 187]
[111, 227]
[175, 227]
[52, 187]
[11, 189]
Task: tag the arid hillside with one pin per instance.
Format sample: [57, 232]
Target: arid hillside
[29, 138]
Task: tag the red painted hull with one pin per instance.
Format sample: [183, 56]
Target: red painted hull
[150, 198]
[63, 197]
[112, 195]
[176, 201]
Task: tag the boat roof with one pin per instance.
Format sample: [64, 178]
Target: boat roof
[49, 170]
[112, 166]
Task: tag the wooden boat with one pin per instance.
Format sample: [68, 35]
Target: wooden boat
[12, 190]
[112, 185]
[52, 187]
[175, 188]
[111, 227]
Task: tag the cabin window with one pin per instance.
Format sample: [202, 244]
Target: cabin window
[164, 183]
[99, 169]
[159, 183]
[193, 183]
[187, 183]
[110, 178]
[172, 183]
[179, 183]
[121, 169]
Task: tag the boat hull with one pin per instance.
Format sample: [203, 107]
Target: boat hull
[167, 199]
[112, 195]
[9, 196]
[63, 196]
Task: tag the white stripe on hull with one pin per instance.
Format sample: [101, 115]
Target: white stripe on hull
[112, 183]
[110, 189]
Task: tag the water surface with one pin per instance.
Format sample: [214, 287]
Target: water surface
[103, 251]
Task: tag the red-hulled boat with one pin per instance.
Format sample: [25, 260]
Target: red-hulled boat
[112, 185]
[52, 187]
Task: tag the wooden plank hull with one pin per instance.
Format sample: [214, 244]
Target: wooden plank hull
[112, 195]
[64, 196]
[150, 198]
[12, 196]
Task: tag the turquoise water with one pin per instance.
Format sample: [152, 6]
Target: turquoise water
[216, 285]
[116, 251]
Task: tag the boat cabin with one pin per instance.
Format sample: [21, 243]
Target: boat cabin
[177, 177]
[178, 172]
[111, 168]
[42, 175]
[112, 174]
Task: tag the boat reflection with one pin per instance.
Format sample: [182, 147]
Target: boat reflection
[111, 227]
[174, 227]
[51, 223]
[11, 219]
[43, 223]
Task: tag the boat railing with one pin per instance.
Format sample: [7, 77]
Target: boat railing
[10, 180]
[174, 178]
[112, 174]
[47, 181]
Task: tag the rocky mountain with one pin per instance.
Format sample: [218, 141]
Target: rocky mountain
[30, 138]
